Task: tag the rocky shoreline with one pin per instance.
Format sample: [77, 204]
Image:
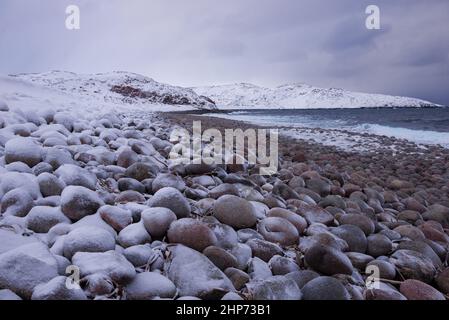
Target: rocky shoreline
[100, 198]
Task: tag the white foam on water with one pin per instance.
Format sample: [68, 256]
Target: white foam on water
[420, 137]
[417, 136]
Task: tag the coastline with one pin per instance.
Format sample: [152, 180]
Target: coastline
[387, 157]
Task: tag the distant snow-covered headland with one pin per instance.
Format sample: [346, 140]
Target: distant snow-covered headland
[126, 91]
[300, 96]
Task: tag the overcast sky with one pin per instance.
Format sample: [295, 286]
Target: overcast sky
[266, 42]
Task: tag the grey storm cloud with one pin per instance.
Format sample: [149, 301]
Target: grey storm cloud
[267, 42]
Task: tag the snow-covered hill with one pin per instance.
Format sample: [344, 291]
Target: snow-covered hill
[118, 88]
[299, 96]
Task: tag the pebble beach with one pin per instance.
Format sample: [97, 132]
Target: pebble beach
[99, 201]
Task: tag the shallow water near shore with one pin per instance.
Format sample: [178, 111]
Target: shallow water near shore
[419, 125]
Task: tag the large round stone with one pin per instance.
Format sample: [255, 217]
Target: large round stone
[25, 150]
[191, 233]
[78, 202]
[328, 260]
[325, 288]
[157, 221]
[278, 230]
[235, 212]
[172, 199]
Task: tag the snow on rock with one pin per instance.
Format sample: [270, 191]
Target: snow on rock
[275, 288]
[299, 96]
[111, 263]
[133, 234]
[16, 202]
[149, 285]
[88, 239]
[195, 275]
[172, 199]
[73, 175]
[3, 106]
[41, 219]
[11, 239]
[116, 89]
[25, 267]
[78, 202]
[56, 289]
[157, 221]
[50, 185]
[94, 220]
[14, 180]
[8, 295]
[57, 157]
[116, 217]
[139, 255]
[22, 149]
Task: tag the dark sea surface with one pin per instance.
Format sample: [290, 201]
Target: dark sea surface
[421, 125]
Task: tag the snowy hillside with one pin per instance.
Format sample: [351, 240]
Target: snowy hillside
[118, 88]
[301, 96]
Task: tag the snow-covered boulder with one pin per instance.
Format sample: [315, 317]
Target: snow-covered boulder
[3, 106]
[78, 202]
[16, 202]
[88, 239]
[111, 263]
[41, 219]
[73, 175]
[195, 275]
[25, 150]
[57, 289]
[50, 185]
[25, 267]
[172, 199]
[150, 285]
[133, 234]
[15, 180]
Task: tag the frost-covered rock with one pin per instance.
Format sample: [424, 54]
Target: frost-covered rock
[17, 203]
[14, 180]
[133, 234]
[41, 219]
[110, 263]
[195, 275]
[274, 288]
[64, 119]
[56, 289]
[11, 238]
[191, 233]
[172, 199]
[157, 221]
[6, 294]
[149, 285]
[235, 212]
[139, 255]
[141, 171]
[78, 202]
[116, 217]
[25, 267]
[126, 158]
[18, 167]
[50, 185]
[25, 150]
[88, 239]
[93, 221]
[168, 180]
[73, 175]
[3, 106]
[57, 157]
